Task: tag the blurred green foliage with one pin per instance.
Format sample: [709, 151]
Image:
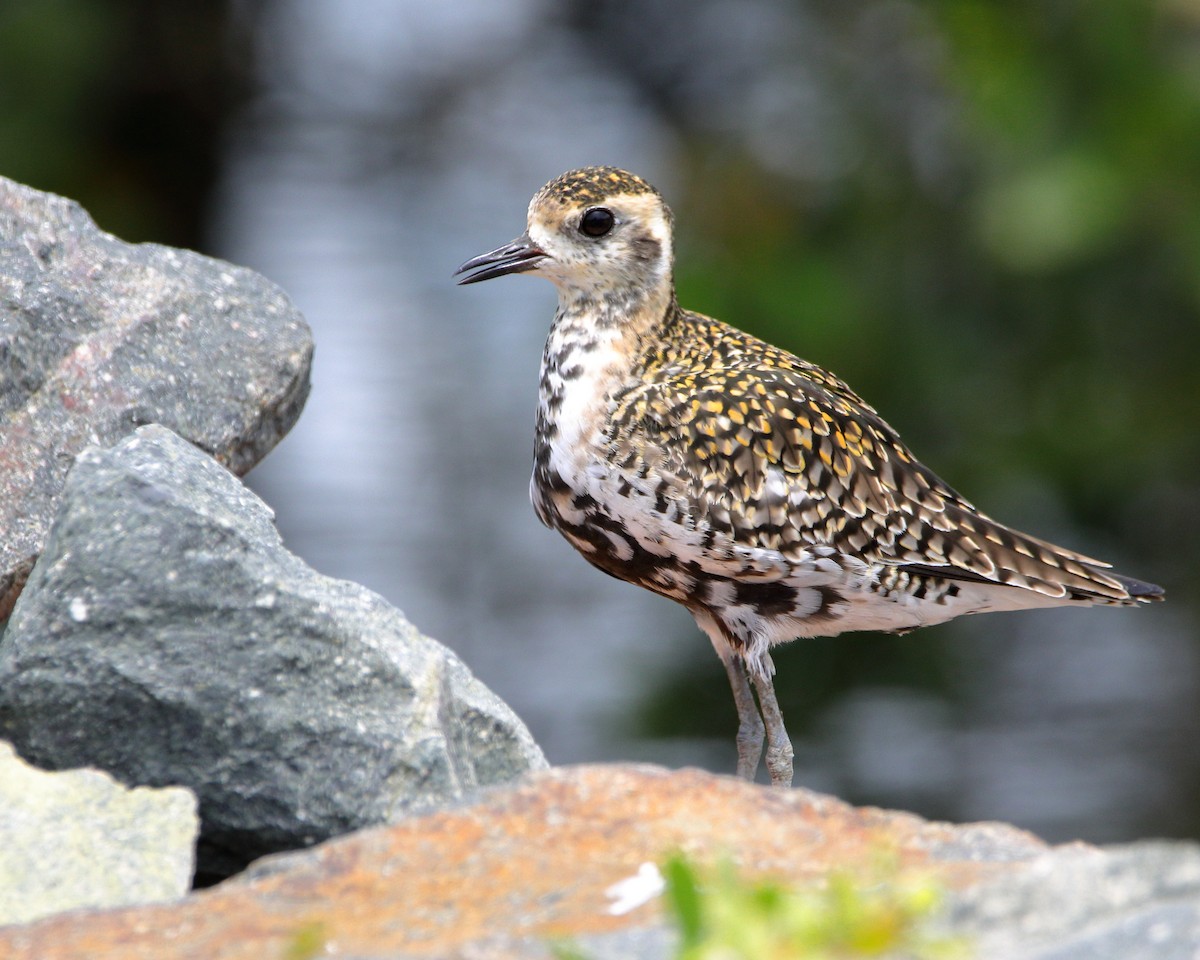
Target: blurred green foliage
[719, 914]
[307, 942]
[119, 104]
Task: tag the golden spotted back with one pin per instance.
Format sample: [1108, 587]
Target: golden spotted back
[777, 453]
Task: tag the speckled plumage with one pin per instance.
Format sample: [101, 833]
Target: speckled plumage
[578, 188]
[681, 454]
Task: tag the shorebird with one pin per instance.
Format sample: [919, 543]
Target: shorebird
[755, 488]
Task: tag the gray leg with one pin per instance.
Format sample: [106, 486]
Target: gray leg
[750, 725]
[779, 746]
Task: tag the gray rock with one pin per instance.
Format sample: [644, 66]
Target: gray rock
[98, 336]
[1135, 902]
[167, 636]
[80, 839]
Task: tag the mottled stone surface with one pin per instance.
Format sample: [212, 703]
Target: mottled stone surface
[528, 862]
[167, 636]
[502, 877]
[98, 336]
[1132, 902]
[80, 839]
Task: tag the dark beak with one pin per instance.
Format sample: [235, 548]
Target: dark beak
[521, 254]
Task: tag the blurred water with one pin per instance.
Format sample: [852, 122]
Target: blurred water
[393, 140]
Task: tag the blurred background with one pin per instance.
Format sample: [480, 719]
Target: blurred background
[985, 217]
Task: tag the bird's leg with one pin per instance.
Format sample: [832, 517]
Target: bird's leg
[779, 745]
[750, 725]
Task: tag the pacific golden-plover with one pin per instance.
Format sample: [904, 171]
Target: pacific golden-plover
[753, 487]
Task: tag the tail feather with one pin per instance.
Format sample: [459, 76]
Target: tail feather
[1139, 590]
[984, 551]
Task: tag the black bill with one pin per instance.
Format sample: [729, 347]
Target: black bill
[521, 254]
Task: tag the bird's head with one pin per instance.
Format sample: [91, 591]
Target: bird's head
[598, 233]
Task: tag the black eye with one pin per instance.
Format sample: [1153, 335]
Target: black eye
[597, 222]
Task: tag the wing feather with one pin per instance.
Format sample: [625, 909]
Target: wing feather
[773, 452]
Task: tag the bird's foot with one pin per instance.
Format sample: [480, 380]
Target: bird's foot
[779, 762]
